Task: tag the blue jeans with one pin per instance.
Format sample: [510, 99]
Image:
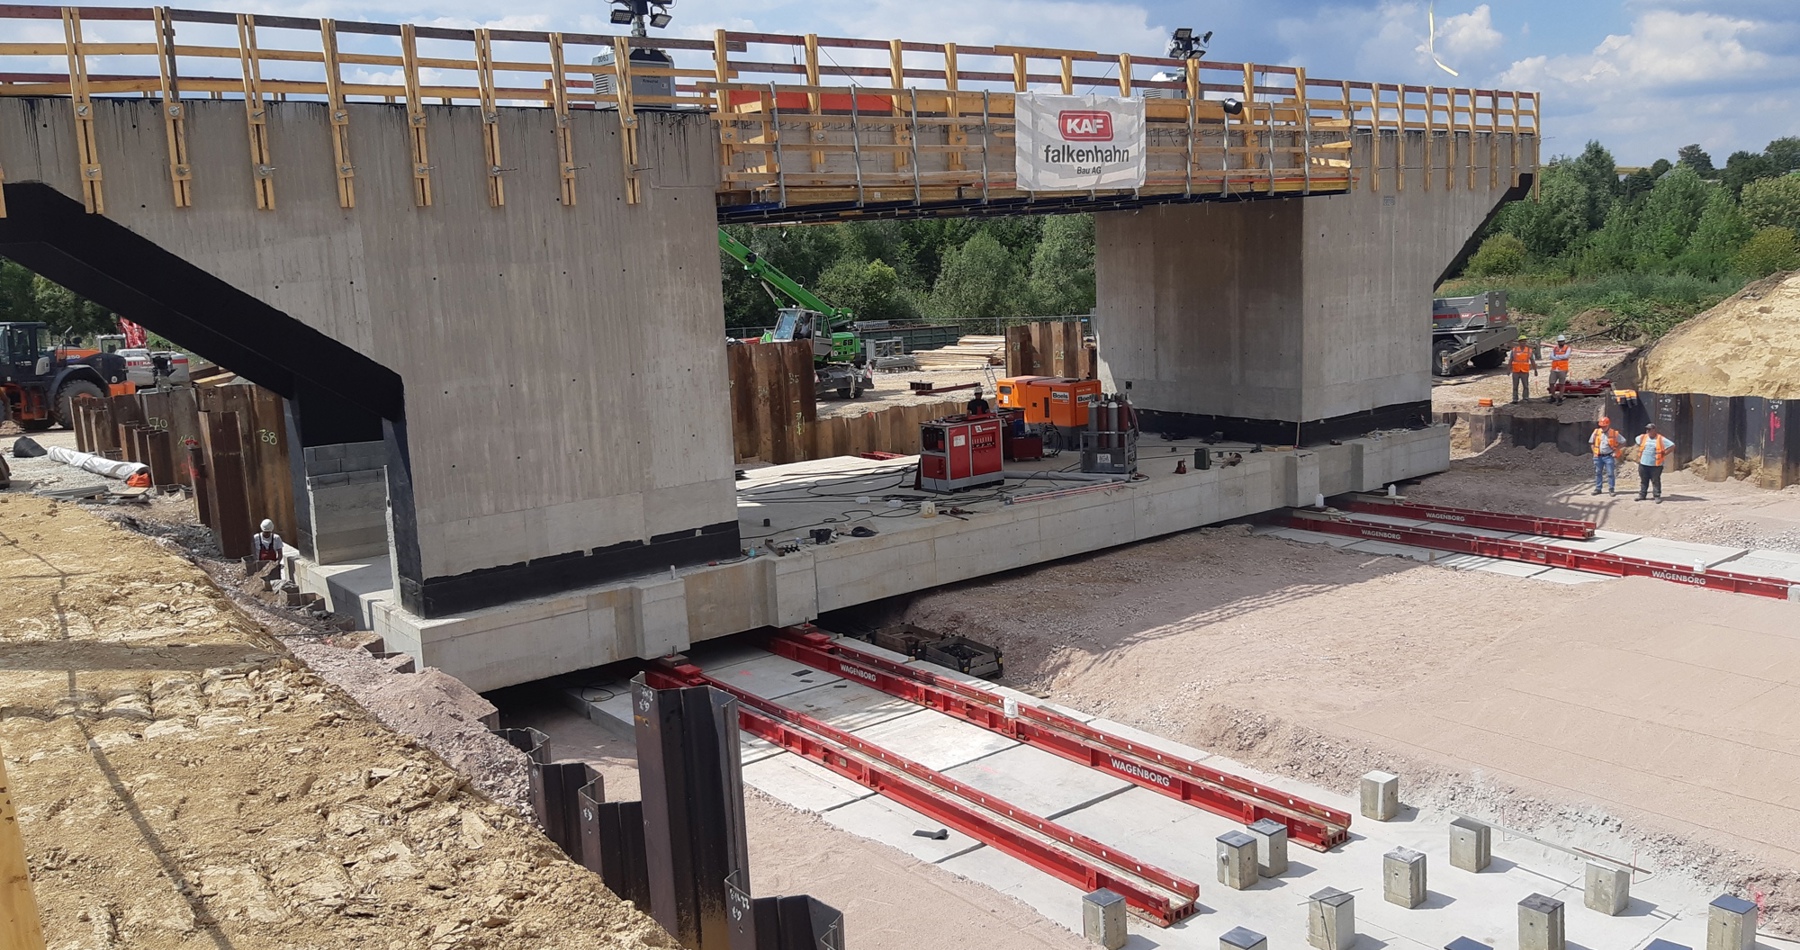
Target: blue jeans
[1607, 467]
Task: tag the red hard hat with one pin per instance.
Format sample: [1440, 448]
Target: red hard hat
[1605, 421]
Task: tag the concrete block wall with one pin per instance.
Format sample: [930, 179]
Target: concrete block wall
[349, 515]
[345, 457]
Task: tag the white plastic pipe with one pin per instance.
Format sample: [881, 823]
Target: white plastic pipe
[97, 464]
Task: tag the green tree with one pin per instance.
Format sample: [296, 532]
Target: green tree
[980, 279]
[1671, 212]
[1062, 266]
[1773, 202]
[872, 291]
[1695, 157]
[1637, 184]
[1768, 251]
[1613, 248]
[1784, 153]
[1557, 220]
[1742, 168]
[1721, 232]
[18, 294]
[1499, 256]
[1597, 171]
[70, 314]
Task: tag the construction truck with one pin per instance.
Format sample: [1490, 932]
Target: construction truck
[837, 353]
[1470, 330]
[39, 383]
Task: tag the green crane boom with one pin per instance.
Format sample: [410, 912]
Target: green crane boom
[825, 325]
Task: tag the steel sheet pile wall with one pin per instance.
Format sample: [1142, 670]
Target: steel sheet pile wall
[1728, 434]
[1049, 348]
[148, 427]
[681, 852]
[773, 406]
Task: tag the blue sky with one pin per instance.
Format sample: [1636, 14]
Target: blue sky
[1643, 76]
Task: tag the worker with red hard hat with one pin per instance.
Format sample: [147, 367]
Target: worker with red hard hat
[1608, 445]
[1524, 363]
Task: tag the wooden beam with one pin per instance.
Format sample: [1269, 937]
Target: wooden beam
[490, 117]
[19, 924]
[256, 117]
[1125, 75]
[957, 137]
[415, 116]
[174, 129]
[338, 113]
[559, 102]
[1471, 130]
[628, 120]
[903, 136]
[1068, 75]
[87, 150]
[816, 130]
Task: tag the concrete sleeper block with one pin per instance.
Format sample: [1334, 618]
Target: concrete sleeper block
[1730, 924]
[1271, 847]
[1403, 877]
[1608, 888]
[1380, 796]
[1471, 845]
[1540, 923]
[1331, 920]
[1103, 919]
[1237, 860]
[1242, 938]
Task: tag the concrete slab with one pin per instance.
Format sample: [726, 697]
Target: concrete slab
[935, 740]
[893, 824]
[1423, 555]
[770, 676]
[1309, 537]
[848, 705]
[1512, 568]
[1037, 781]
[1562, 575]
[803, 784]
[1678, 552]
[1782, 564]
[1056, 900]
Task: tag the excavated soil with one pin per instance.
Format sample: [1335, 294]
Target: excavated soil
[1748, 345]
[183, 781]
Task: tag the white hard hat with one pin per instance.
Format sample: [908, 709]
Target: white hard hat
[268, 525]
[1562, 338]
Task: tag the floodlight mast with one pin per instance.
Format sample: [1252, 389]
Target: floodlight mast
[637, 12]
[1185, 45]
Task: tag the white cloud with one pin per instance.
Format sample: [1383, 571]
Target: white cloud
[1663, 49]
[1468, 34]
[1389, 40]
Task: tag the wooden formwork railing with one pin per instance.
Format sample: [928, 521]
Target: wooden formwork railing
[802, 120]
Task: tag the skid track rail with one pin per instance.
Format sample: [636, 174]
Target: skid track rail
[1074, 858]
[1233, 796]
[1469, 517]
[1546, 555]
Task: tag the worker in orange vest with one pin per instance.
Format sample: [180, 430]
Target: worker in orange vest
[1652, 451]
[1607, 445]
[1559, 368]
[1524, 363]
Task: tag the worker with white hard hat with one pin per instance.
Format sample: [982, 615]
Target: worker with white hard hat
[1559, 368]
[268, 544]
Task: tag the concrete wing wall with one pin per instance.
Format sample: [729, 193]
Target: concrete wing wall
[563, 366]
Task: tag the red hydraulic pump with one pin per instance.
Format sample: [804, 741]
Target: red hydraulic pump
[959, 452]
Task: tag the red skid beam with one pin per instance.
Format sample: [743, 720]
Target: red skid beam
[1308, 823]
[1073, 858]
[1530, 552]
[1522, 524]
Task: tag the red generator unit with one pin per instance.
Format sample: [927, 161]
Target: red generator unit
[957, 453]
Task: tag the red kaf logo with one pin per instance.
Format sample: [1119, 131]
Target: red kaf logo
[1083, 126]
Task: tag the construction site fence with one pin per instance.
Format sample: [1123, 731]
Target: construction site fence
[801, 119]
[1749, 437]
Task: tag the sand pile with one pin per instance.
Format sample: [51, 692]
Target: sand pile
[1748, 345]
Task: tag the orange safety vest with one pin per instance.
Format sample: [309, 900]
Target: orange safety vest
[1521, 359]
[1607, 437]
[1559, 358]
[1661, 445]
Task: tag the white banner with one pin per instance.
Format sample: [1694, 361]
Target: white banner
[1079, 143]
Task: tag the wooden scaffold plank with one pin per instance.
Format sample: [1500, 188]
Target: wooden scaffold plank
[565, 140]
[415, 117]
[339, 114]
[87, 151]
[628, 121]
[181, 176]
[256, 116]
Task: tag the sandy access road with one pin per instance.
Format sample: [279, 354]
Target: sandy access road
[182, 782]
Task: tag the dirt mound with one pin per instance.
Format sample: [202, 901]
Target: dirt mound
[1748, 345]
[1591, 324]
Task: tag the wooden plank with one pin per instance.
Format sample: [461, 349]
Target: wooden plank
[415, 116]
[262, 163]
[19, 923]
[86, 147]
[338, 113]
[174, 113]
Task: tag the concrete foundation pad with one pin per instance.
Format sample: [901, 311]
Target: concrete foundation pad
[1782, 564]
[1512, 568]
[1043, 784]
[1684, 553]
[803, 784]
[1562, 575]
[893, 823]
[1422, 555]
[848, 705]
[1309, 537]
[1055, 900]
[935, 740]
[770, 676]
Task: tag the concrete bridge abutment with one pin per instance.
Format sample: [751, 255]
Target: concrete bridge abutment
[1294, 320]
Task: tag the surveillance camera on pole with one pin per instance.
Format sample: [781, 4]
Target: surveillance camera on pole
[638, 12]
